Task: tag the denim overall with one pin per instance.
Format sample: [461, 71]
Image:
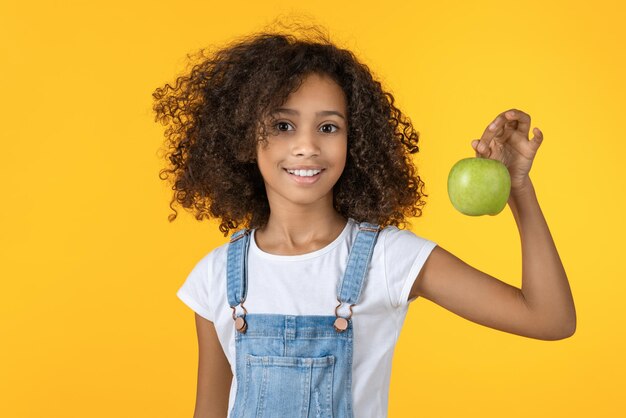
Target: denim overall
[295, 365]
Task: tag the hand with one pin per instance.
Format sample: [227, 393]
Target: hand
[506, 140]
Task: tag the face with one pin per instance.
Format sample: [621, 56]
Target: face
[306, 148]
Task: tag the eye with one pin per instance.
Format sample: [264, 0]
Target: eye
[331, 125]
[283, 126]
[280, 125]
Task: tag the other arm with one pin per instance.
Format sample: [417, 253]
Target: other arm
[214, 374]
[544, 307]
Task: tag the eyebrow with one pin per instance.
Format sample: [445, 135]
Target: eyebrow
[320, 113]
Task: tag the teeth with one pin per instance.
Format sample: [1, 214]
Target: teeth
[304, 173]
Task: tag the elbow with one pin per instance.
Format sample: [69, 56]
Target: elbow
[561, 325]
[571, 328]
[564, 332]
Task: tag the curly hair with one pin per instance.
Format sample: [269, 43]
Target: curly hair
[216, 115]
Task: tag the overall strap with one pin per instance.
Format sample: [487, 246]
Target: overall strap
[349, 290]
[236, 267]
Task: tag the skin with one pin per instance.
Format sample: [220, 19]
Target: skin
[214, 374]
[544, 307]
[303, 219]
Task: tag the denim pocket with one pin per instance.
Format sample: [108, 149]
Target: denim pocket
[276, 386]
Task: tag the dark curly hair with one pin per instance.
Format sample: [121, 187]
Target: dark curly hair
[216, 114]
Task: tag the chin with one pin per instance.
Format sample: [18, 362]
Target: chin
[306, 198]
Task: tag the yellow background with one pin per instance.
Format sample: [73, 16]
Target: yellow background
[90, 324]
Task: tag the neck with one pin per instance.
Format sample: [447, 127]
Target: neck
[295, 229]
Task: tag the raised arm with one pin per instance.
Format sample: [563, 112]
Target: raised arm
[543, 308]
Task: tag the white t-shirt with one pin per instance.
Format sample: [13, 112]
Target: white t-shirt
[306, 284]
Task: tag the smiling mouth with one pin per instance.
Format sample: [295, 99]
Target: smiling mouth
[304, 176]
[304, 172]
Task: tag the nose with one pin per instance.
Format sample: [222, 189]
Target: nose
[305, 144]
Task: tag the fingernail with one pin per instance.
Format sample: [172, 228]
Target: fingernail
[492, 127]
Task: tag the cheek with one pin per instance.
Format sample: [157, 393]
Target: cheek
[342, 153]
[267, 159]
[261, 161]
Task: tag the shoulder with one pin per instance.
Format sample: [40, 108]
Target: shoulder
[199, 291]
[210, 262]
[403, 253]
[396, 238]
[394, 242]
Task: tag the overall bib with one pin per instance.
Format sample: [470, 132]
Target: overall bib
[295, 365]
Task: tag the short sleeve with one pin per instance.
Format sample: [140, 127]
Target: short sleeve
[405, 254]
[195, 290]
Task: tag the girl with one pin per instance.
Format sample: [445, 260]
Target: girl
[292, 144]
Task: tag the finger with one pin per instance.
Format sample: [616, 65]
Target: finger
[537, 139]
[480, 152]
[493, 129]
[494, 126]
[502, 135]
[511, 125]
[475, 143]
[523, 119]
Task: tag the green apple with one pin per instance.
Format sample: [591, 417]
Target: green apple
[479, 186]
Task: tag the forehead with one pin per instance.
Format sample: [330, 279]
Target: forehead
[317, 91]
